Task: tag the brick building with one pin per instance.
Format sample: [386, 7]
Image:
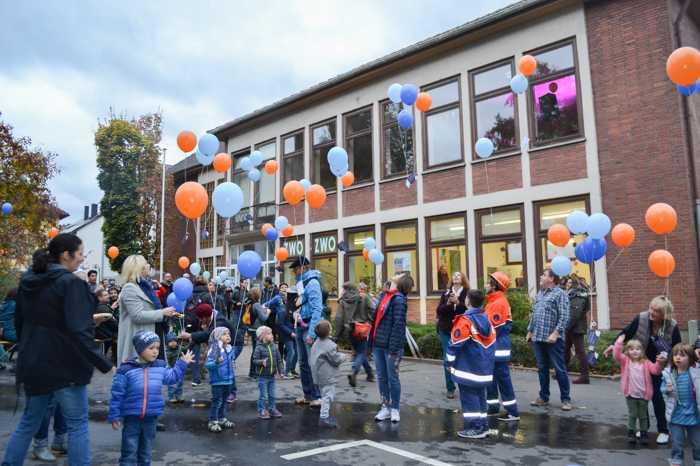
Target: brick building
[600, 128]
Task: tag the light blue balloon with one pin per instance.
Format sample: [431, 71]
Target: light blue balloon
[484, 148]
[561, 265]
[178, 304]
[182, 289]
[375, 256]
[246, 163]
[338, 161]
[195, 268]
[598, 225]
[271, 234]
[203, 158]
[223, 275]
[249, 264]
[218, 280]
[6, 208]
[369, 244]
[409, 94]
[306, 184]
[256, 158]
[405, 119]
[577, 222]
[227, 199]
[518, 83]
[228, 283]
[281, 222]
[394, 93]
[206, 275]
[254, 174]
[208, 144]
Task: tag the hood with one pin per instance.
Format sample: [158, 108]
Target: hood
[480, 320]
[34, 281]
[578, 292]
[134, 363]
[311, 274]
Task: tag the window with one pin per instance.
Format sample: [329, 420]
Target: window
[400, 253]
[239, 176]
[324, 258]
[206, 222]
[293, 157]
[265, 188]
[357, 268]
[554, 104]
[397, 143]
[549, 213]
[448, 254]
[501, 244]
[358, 143]
[266, 250]
[322, 140]
[494, 106]
[220, 223]
[295, 246]
[443, 128]
[207, 264]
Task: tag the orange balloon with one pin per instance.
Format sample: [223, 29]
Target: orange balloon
[113, 252]
[348, 179]
[424, 101]
[191, 199]
[662, 263]
[282, 254]
[527, 65]
[558, 235]
[183, 262]
[316, 196]
[186, 141]
[683, 66]
[53, 232]
[265, 227]
[288, 230]
[365, 253]
[623, 235]
[222, 162]
[293, 192]
[661, 218]
[271, 167]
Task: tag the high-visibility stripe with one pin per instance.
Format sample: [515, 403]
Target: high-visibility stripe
[508, 403]
[492, 402]
[450, 357]
[471, 415]
[470, 376]
[502, 353]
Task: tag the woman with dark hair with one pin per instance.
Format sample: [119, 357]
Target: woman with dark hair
[7, 321]
[452, 304]
[57, 352]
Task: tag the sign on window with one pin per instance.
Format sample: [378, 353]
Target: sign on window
[325, 245]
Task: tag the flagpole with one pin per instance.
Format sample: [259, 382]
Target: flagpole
[162, 216]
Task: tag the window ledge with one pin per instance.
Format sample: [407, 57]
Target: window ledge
[497, 157]
[554, 145]
[364, 184]
[395, 178]
[443, 168]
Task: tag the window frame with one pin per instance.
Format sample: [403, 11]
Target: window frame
[383, 126]
[350, 253]
[437, 110]
[256, 185]
[284, 156]
[312, 161]
[220, 222]
[509, 237]
[209, 214]
[450, 242]
[314, 257]
[387, 249]
[347, 137]
[245, 152]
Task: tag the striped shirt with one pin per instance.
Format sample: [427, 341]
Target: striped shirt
[686, 412]
[550, 312]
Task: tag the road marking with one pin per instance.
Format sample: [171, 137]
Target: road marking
[369, 443]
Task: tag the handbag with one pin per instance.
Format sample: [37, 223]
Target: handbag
[361, 330]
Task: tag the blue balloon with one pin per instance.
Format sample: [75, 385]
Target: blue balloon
[376, 256]
[208, 144]
[369, 244]
[338, 160]
[254, 174]
[178, 304]
[271, 234]
[484, 148]
[256, 158]
[6, 208]
[577, 222]
[561, 265]
[195, 268]
[518, 83]
[206, 275]
[182, 289]
[598, 225]
[405, 119]
[687, 90]
[409, 94]
[203, 158]
[591, 250]
[394, 93]
[249, 264]
[227, 199]
[281, 222]
[246, 164]
[306, 184]
[218, 280]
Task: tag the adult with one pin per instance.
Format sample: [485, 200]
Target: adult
[7, 321]
[92, 280]
[139, 307]
[452, 303]
[268, 291]
[443, 277]
[58, 352]
[387, 338]
[579, 304]
[106, 329]
[658, 332]
[237, 342]
[352, 320]
[284, 330]
[239, 295]
[546, 330]
[114, 301]
[258, 316]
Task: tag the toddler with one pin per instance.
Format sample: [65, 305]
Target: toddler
[325, 361]
[266, 363]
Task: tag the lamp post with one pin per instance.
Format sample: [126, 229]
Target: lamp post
[162, 216]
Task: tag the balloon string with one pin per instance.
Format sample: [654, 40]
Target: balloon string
[615, 258]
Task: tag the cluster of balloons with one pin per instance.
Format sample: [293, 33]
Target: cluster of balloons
[113, 252]
[371, 252]
[408, 94]
[280, 228]
[206, 146]
[251, 162]
[338, 162]
[182, 291]
[662, 219]
[294, 191]
[6, 208]
[683, 69]
[527, 66]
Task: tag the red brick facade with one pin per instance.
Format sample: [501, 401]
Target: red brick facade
[294, 213]
[497, 175]
[328, 211]
[557, 164]
[445, 184]
[358, 201]
[394, 194]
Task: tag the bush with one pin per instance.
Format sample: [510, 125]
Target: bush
[8, 280]
[430, 346]
[520, 308]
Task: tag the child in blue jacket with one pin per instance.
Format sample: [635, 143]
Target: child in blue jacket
[137, 398]
[220, 364]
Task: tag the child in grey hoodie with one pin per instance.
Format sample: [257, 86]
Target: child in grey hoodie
[325, 361]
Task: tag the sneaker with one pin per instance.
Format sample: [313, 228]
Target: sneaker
[231, 398]
[566, 406]
[473, 433]
[450, 394]
[214, 426]
[328, 422]
[352, 379]
[302, 401]
[539, 402]
[509, 418]
[274, 412]
[172, 401]
[195, 384]
[631, 436]
[43, 454]
[662, 438]
[384, 414]
[644, 438]
[225, 423]
[315, 403]
[395, 417]
[295, 374]
[264, 414]
[160, 427]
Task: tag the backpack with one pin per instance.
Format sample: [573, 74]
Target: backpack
[326, 311]
[247, 317]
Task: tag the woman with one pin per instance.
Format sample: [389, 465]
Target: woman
[658, 332]
[7, 321]
[258, 317]
[139, 307]
[352, 320]
[387, 338]
[579, 305]
[58, 352]
[452, 303]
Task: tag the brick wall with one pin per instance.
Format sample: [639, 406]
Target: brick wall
[358, 201]
[395, 194]
[431, 311]
[558, 164]
[413, 312]
[294, 213]
[177, 228]
[445, 184]
[641, 151]
[497, 175]
[328, 211]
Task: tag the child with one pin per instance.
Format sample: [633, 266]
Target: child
[681, 390]
[324, 361]
[267, 362]
[220, 364]
[636, 385]
[470, 356]
[173, 351]
[137, 398]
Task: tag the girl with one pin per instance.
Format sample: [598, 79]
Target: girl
[452, 304]
[681, 390]
[637, 385]
[220, 360]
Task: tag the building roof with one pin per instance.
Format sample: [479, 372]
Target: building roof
[80, 225]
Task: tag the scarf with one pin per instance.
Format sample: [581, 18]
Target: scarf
[147, 288]
[380, 311]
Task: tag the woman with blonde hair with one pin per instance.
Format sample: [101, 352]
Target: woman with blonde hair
[452, 303]
[139, 307]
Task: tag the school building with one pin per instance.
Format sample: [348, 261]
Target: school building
[600, 129]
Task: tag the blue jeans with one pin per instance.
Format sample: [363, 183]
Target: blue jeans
[360, 357]
[237, 350]
[74, 404]
[196, 375]
[311, 391]
[444, 341]
[137, 440]
[678, 433]
[219, 393]
[266, 400]
[388, 376]
[41, 439]
[502, 383]
[552, 355]
[175, 391]
[290, 356]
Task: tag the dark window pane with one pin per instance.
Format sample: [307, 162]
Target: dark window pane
[495, 119]
[554, 60]
[324, 134]
[394, 157]
[360, 153]
[443, 131]
[269, 151]
[389, 112]
[294, 143]
[361, 121]
[556, 109]
[492, 79]
[293, 168]
[445, 94]
[322, 171]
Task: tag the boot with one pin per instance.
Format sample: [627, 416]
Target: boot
[644, 437]
[631, 436]
[43, 454]
[58, 446]
[352, 379]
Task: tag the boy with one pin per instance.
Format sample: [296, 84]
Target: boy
[266, 362]
[173, 351]
[325, 361]
[137, 398]
[471, 355]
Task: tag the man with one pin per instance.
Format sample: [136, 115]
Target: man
[269, 290]
[238, 296]
[92, 280]
[310, 302]
[550, 317]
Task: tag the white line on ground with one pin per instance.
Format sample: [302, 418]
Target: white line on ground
[318, 451]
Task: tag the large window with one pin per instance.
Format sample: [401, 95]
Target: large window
[324, 258]
[266, 251]
[442, 125]
[207, 264]
[494, 106]
[397, 143]
[220, 223]
[501, 244]
[206, 221]
[400, 253]
[358, 142]
[265, 188]
[323, 138]
[554, 105]
[239, 176]
[295, 247]
[548, 213]
[447, 250]
[293, 157]
[357, 268]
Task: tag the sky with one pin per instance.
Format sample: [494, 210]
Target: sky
[65, 64]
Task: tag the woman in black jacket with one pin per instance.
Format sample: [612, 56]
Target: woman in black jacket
[57, 350]
[452, 304]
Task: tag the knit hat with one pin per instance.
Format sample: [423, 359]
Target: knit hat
[170, 337]
[144, 339]
[214, 344]
[203, 310]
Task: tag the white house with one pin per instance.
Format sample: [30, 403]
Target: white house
[90, 231]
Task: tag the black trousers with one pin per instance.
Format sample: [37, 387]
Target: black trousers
[657, 401]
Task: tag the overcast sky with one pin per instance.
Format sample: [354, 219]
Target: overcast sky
[64, 64]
